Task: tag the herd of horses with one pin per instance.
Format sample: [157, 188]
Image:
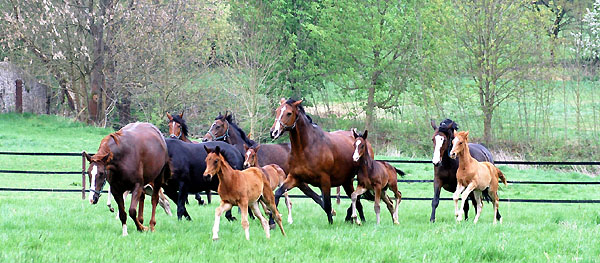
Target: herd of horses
[139, 160]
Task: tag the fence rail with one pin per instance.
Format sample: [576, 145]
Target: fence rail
[83, 175]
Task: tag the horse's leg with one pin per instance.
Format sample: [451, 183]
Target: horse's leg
[140, 216]
[118, 196]
[138, 191]
[455, 196]
[466, 207]
[398, 195]
[198, 197]
[155, 200]
[164, 202]
[245, 225]
[112, 210]
[478, 205]
[464, 196]
[289, 183]
[376, 207]
[338, 200]
[326, 192]
[181, 198]
[437, 186]
[496, 203]
[269, 199]
[288, 203]
[263, 221]
[223, 207]
[349, 189]
[389, 204]
[354, 196]
[208, 196]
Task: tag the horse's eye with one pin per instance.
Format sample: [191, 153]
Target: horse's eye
[289, 114]
[215, 162]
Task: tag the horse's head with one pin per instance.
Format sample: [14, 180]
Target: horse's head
[360, 144]
[97, 173]
[219, 130]
[251, 159]
[287, 115]
[459, 143]
[177, 126]
[442, 139]
[213, 161]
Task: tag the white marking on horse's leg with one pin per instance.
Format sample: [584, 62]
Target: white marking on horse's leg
[124, 230]
[477, 195]
[108, 195]
[288, 203]
[223, 207]
[439, 141]
[356, 155]
[457, 192]
[93, 183]
[263, 221]
[354, 196]
[464, 196]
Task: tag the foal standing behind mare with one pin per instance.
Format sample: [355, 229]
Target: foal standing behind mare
[275, 175]
[474, 176]
[242, 188]
[376, 176]
[129, 159]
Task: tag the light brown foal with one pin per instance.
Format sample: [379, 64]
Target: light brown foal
[376, 176]
[242, 188]
[473, 176]
[275, 175]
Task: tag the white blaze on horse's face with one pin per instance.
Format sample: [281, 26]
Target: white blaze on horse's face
[247, 161]
[453, 151]
[437, 157]
[356, 154]
[277, 131]
[93, 173]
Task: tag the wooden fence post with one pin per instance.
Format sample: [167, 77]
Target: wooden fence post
[82, 176]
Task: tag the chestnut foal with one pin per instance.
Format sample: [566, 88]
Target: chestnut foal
[275, 175]
[242, 188]
[374, 175]
[473, 176]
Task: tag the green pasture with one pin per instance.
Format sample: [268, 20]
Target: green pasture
[60, 227]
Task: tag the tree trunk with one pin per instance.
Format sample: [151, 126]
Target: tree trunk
[370, 108]
[96, 110]
[487, 126]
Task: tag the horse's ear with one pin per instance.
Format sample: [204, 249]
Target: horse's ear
[87, 156]
[181, 115]
[257, 148]
[467, 134]
[169, 116]
[105, 158]
[454, 126]
[365, 134]
[433, 125]
[354, 133]
[297, 103]
[282, 101]
[207, 149]
[246, 147]
[218, 150]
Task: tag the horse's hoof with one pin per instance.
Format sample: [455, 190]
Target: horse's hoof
[215, 239]
[333, 213]
[290, 221]
[143, 229]
[272, 226]
[112, 210]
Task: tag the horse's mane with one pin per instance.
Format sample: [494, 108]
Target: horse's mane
[448, 127]
[229, 119]
[181, 121]
[104, 150]
[300, 108]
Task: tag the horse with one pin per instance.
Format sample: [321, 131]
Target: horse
[129, 159]
[318, 158]
[241, 188]
[474, 176]
[225, 129]
[445, 167]
[275, 175]
[178, 129]
[187, 168]
[162, 201]
[376, 176]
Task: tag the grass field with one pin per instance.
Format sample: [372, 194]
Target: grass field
[60, 227]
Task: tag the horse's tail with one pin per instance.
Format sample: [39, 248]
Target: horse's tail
[399, 172]
[501, 175]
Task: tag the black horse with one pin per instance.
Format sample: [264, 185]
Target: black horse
[445, 167]
[187, 169]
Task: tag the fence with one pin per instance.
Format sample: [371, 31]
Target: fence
[83, 173]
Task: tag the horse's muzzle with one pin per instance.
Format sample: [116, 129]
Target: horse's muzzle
[453, 155]
[94, 199]
[275, 134]
[204, 140]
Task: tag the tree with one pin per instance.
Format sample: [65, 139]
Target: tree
[498, 40]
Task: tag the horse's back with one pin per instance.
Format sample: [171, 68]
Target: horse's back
[274, 154]
[480, 153]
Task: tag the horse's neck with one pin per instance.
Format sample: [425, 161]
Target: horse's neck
[303, 135]
[184, 138]
[226, 173]
[464, 158]
[235, 138]
[366, 164]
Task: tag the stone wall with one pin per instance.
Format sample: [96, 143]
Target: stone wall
[35, 98]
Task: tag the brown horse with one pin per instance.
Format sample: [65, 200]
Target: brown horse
[178, 129]
[376, 176]
[318, 158]
[474, 176]
[130, 159]
[273, 172]
[241, 188]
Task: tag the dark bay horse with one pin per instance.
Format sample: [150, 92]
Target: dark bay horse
[445, 167]
[178, 129]
[225, 129]
[129, 159]
[318, 158]
[187, 169]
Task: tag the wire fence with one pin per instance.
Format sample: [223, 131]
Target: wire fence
[531, 163]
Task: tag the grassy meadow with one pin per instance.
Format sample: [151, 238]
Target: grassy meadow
[60, 227]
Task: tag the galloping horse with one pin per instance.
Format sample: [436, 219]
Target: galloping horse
[242, 188]
[275, 175]
[445, 167]
[129, 159]
[187, 167]
[474, 176]
[225, 129]
[317, 157]
[376, 176]
[178, 129]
